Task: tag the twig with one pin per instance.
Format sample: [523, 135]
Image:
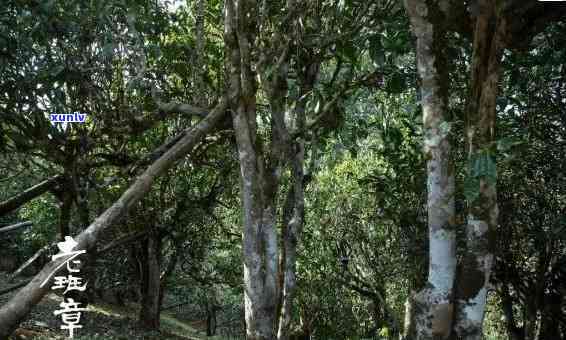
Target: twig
[30, 261]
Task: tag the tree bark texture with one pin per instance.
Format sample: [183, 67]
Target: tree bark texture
[433, 307]
[13, 312]
[475, 269]
[269, 289]
[257, 183]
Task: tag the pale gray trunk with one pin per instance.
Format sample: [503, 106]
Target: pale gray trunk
[259, 178]
[433, 304]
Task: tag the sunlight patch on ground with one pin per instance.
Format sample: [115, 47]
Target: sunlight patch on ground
[179, 328]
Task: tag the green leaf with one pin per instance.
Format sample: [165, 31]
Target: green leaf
[471, 188]
[376, 50]
[57, 70]
[317, 107]
[507, 143]
[396, 84]
[445, 128]
[491, 170]
[108, 50]
[347, 50]
[482, 165]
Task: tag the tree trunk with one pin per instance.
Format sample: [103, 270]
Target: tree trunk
[475, 269]
[167, 273]
[65, 215]
[83, 211]
[549, 324]
[292, 231]
[530, 321]
[513, 331]
[151, 282]
[409, 322]
[211, 308]
[294, 209]
[211, 321]
[23, 301]
[259, 236]
[433, 305]
[258, 182]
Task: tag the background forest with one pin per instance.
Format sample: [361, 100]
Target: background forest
[285, 169]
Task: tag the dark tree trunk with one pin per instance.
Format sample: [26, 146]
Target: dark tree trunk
[211, 322]
[211, 308]
[27, 195]
[530, 321]
[167, 274]
[65, 215]
[550, 325]
[151, 283]
[513, 331]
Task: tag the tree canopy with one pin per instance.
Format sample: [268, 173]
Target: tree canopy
[287, 169]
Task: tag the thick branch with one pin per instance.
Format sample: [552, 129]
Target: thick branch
[155, 154]
[176, 107]
[27, 195]
[21, 303]
[15, 226]
[123, 240]
[14, 287]
[30, 261]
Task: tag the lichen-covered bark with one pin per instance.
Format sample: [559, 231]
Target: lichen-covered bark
[269, 288]
[258, 181]
[433, 307]
[475, 269]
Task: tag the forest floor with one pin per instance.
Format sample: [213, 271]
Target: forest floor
[100, 321]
